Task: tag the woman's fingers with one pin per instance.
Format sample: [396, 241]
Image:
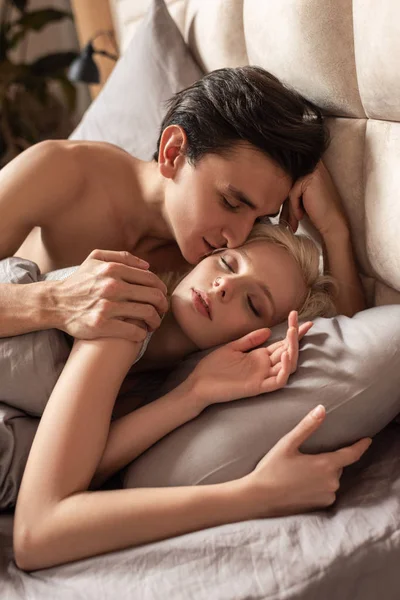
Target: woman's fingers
[293, 319]
[293, 348]
[277, 376]
[305, 328]
[284, 373]
[303, 430]
[251, 340]
[351, 454]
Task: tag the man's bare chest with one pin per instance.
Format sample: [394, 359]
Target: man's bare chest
[70, 239]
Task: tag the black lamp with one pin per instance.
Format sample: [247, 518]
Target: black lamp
[84, 68]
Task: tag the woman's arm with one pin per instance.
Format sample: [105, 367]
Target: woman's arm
[134, 433]
[56, 519]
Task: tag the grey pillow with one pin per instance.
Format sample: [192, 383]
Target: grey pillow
[30, 364]
[129, 110]
[352, 366]
[17, 431]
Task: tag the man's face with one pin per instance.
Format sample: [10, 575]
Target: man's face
[216, 203]
[244, 289]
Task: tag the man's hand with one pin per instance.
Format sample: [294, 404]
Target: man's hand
[111, 294]
[317, 196]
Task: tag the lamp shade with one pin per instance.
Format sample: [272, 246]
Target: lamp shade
[84, 68]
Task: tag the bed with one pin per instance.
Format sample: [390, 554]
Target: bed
[335, 54]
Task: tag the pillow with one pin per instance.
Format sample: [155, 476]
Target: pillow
[17, 431]
[31, 363]
[351, 365]
[129, 110]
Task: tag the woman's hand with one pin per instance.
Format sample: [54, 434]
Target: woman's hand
[287, 482]
[111, 295]
[317, 196]
[240, 369]
[276, 349]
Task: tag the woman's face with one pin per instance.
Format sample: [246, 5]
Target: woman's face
[244, 289]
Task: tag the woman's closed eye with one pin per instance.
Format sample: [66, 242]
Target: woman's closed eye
[249, 301]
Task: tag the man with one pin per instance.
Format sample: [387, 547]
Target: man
[230, 149]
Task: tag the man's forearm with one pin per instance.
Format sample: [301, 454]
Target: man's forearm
[134, 433]
[340, 263]
[26, 307]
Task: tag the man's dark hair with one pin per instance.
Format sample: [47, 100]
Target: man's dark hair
[248, 104]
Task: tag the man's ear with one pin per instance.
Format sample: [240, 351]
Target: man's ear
[171, 153]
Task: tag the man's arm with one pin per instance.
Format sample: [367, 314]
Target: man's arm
[318, 196]
[34, 188]
[27, 307]
[340, 263]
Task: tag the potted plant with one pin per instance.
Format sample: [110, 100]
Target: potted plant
[36, 98]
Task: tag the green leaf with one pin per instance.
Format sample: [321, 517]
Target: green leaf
[37, 19]
[52, 64]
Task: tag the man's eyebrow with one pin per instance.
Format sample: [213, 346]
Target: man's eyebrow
[242, 252]
[241, 197]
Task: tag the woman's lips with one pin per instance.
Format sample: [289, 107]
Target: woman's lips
[199, 304]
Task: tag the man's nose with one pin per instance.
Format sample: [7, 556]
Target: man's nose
[237, 234]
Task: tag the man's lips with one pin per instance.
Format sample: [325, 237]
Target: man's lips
[208, 246]
[202, 303]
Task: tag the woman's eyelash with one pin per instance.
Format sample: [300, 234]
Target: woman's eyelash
[228, 205]
[227, 264]
[251, 305]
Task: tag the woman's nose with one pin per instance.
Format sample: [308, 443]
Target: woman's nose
[223, 287]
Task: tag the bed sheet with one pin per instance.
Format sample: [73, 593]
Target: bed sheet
[349, 552]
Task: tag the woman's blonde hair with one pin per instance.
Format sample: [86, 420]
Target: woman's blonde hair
[321, 289]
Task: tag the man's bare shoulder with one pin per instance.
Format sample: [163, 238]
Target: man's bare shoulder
[84, 152]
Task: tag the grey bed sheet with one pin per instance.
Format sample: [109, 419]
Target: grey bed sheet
[348, 552]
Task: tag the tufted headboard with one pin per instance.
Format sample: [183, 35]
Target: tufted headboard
[344, 56]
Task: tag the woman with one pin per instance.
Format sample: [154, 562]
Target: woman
[58, 520]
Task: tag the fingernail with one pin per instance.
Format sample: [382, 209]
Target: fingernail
[318, 411]
[144, 263]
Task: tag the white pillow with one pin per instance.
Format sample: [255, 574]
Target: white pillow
[129, 110]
